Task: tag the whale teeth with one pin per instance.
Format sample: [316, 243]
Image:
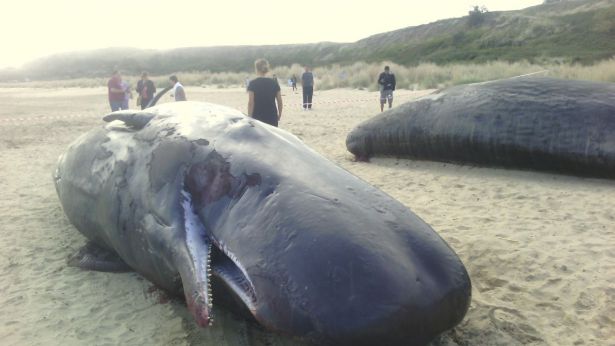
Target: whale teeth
[209, 291]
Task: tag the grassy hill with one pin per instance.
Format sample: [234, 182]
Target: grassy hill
[576, 31]
[573, 31]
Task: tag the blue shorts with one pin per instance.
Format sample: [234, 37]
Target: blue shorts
[386, 95]
[115, 105]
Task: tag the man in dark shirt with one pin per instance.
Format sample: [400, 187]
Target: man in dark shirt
[146, 90]
[386, 82]
[307, 83]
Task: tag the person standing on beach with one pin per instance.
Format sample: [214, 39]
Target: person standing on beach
[178, 89]
[293, 82]
[146, 90]
[127, 94]
[386, 83]
[115, 91]
[263, 93]
[307, 84]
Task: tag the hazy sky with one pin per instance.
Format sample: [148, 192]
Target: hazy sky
[33, 28]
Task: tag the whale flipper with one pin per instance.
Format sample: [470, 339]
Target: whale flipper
[94, 257]
[136, 120]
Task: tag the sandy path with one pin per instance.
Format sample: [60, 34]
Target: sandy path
[540, 248]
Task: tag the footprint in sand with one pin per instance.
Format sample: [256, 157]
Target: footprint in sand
[585, 302]
[512, 322]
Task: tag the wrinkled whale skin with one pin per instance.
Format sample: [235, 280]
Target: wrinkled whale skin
[192, 195]
[535, 123]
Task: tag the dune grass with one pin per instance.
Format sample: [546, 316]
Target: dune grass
[361, 75]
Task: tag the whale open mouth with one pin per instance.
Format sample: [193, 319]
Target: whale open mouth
[207, 182]
[206, 257]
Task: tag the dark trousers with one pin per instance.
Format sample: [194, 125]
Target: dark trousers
[144, 103]
[308, 91]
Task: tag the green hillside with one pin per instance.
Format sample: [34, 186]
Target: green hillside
[576, 31]
[573, 31]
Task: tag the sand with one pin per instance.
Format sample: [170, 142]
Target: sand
[539, 248]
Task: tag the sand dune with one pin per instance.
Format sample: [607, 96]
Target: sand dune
[540, 248]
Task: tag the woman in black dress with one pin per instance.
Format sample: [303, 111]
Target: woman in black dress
[263, 94]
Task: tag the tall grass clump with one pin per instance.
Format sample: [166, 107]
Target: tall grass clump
[62, 83]
[603, 71]
[205, 79]
[357, 76]
[474, 73]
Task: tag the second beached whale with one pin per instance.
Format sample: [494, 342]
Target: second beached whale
[536, 123]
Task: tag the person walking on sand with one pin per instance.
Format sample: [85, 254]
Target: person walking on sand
[263, 93]
[146, 90]
[307, 84]
[178, 89]
[115, 91]
[386, 83]
[293, 82]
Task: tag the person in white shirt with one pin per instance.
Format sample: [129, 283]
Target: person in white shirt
[178, 89]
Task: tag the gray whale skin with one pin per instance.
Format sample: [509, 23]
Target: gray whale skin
[536, 123]
[214, 206]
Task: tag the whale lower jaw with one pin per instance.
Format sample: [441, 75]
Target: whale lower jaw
[207, 257]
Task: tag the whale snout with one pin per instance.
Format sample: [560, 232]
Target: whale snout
[360, 271]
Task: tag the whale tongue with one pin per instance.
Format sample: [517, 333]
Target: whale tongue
[195, 266]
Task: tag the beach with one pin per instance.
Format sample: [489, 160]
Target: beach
[539, 247]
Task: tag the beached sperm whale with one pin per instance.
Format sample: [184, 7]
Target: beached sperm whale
[536, 123]
[206, 202]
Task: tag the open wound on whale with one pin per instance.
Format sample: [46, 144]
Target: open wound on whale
[206, 183]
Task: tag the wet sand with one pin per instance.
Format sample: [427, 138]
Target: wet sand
[539, 248]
